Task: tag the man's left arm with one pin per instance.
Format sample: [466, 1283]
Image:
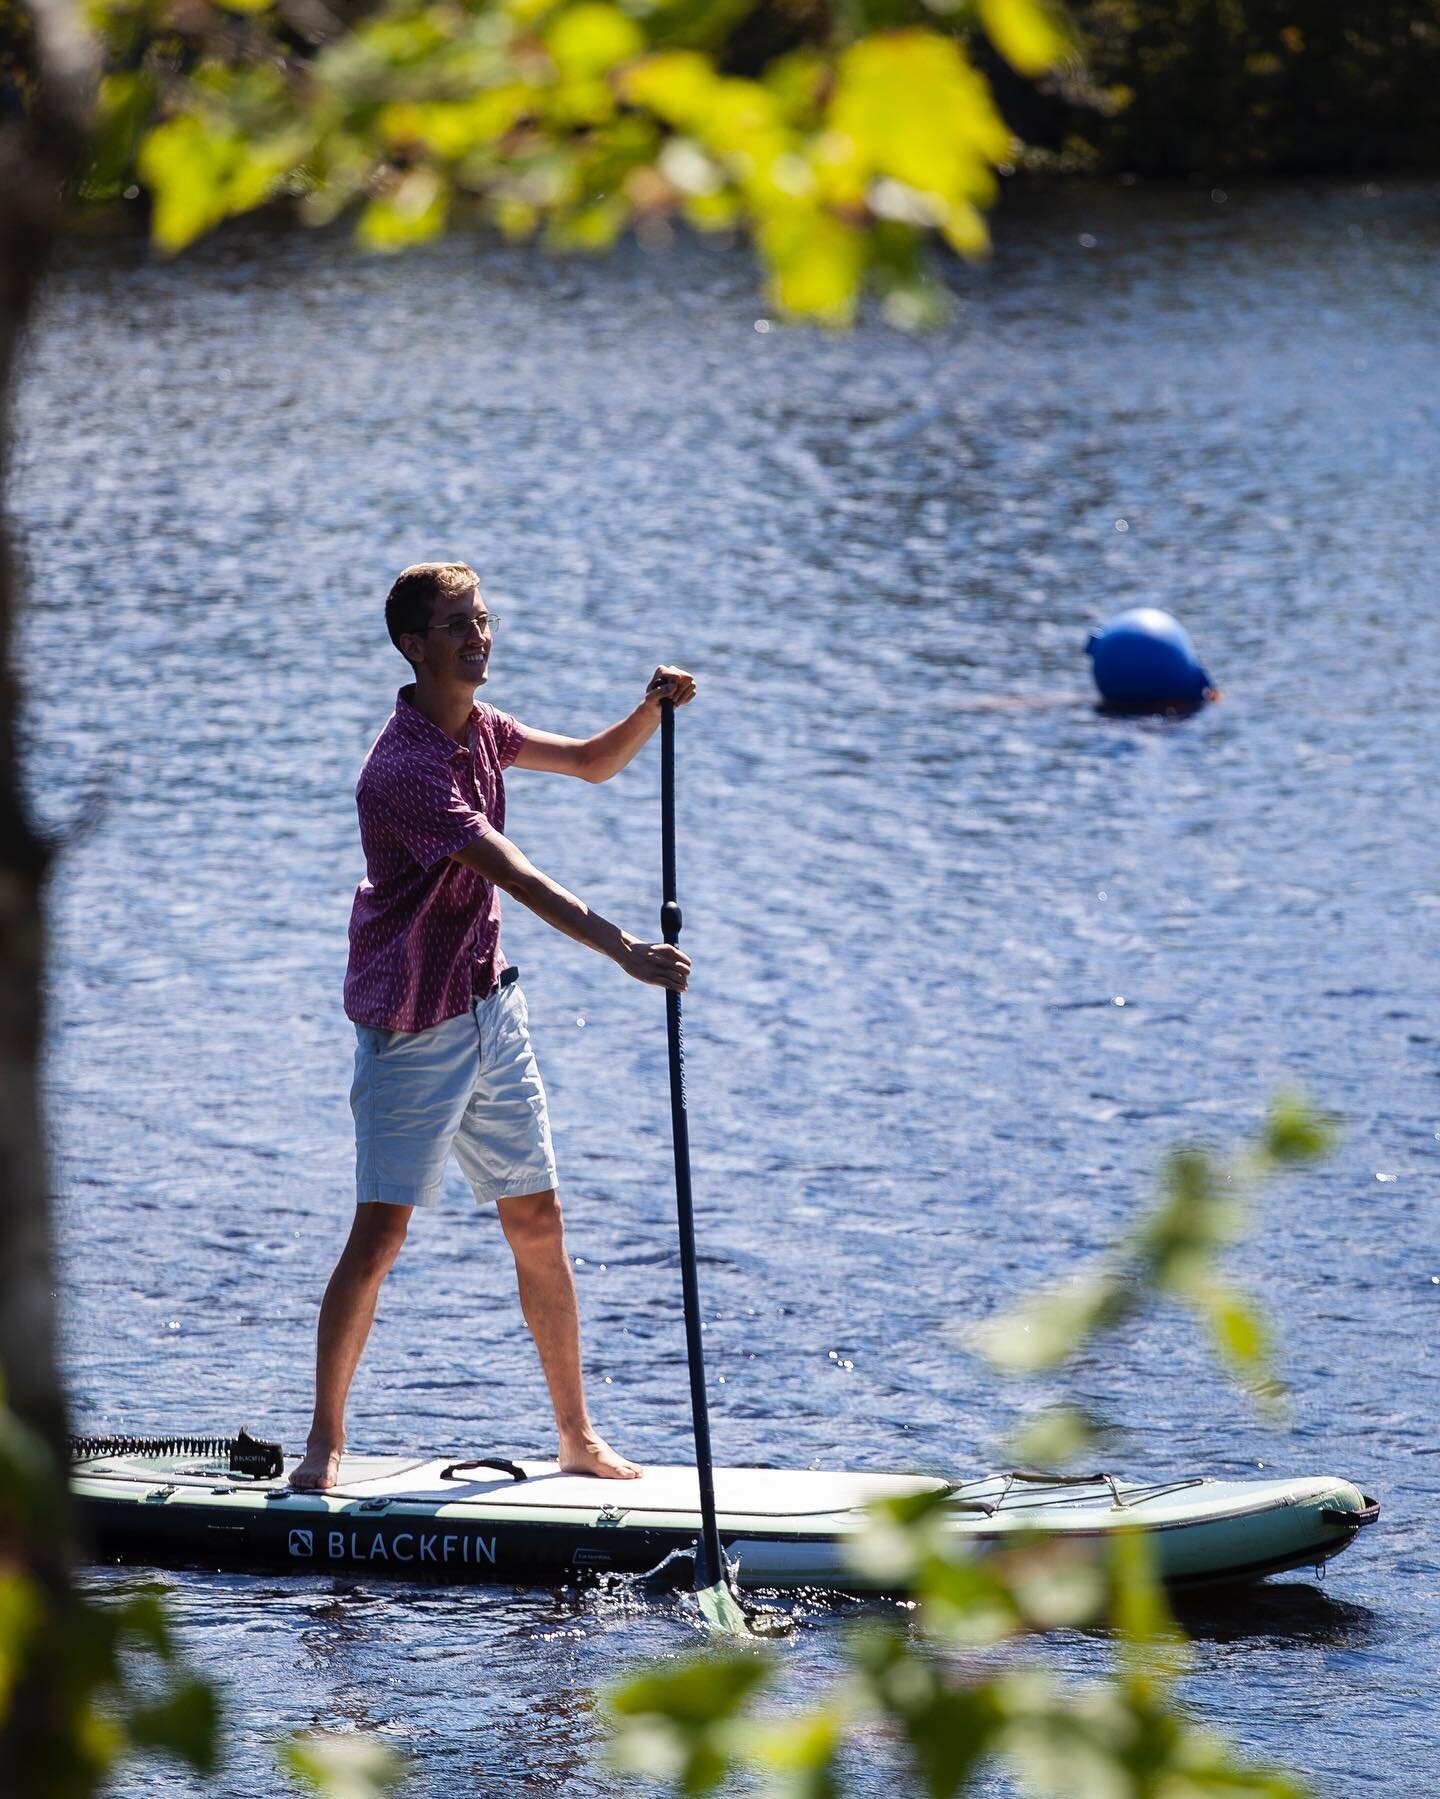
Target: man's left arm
[597, 758]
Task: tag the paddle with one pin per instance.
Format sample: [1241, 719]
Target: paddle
[718, 1603]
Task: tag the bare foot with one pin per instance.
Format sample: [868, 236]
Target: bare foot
[591, 1454]
[319, 1471]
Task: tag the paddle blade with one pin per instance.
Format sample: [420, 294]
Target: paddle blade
[722, 1611]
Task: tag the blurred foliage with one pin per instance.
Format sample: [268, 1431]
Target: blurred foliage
[941, 1695]
[1172, 1252]
[106, 1680]
[1176, 87]
[341, 1767]
[840, 139]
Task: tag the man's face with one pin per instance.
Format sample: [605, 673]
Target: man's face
[456, 648]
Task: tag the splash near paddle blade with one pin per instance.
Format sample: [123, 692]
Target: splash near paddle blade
[722, 1611]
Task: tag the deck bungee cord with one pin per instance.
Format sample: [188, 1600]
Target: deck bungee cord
[244, 1454]
[1064, 1484]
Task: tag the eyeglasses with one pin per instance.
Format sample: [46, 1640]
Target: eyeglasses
[459, 628]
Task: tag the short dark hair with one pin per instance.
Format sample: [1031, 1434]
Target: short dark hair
[417, 588]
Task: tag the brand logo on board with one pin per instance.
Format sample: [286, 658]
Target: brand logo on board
[440, 1547]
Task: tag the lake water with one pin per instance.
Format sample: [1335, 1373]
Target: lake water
[919, 874]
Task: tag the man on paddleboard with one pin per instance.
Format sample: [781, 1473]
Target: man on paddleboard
[443, 1059]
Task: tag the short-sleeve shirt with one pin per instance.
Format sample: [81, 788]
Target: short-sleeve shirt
[425, 930]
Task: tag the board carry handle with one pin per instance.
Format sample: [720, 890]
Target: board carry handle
[1039, 1478]
[1369, 1514]
[513, 1469]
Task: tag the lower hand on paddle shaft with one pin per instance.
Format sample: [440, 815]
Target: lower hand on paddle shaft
[656, 964]
[499, 860]
[678, 687]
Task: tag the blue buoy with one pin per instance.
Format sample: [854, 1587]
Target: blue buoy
[1144, 661]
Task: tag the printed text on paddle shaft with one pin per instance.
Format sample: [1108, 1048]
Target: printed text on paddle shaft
[671, 921]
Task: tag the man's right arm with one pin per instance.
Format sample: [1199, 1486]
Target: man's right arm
[495, 857]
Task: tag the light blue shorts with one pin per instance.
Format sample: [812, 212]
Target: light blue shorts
[471, 1085]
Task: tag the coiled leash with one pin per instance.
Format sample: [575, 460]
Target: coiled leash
[245, 1454]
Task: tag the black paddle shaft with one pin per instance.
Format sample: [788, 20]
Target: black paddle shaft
[710, 1565]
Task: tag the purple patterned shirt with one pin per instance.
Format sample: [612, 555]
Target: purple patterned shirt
[425, 930]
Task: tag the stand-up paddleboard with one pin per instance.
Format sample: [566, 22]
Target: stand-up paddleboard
[211, 1503]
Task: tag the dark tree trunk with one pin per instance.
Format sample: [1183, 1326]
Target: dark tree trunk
[41, 142]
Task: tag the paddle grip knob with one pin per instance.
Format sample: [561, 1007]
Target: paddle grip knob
[670, 921]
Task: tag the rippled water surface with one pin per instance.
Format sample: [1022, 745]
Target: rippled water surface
[920, 877]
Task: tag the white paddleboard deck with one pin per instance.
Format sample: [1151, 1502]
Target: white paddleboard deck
[671, 1491]
[785, 1528]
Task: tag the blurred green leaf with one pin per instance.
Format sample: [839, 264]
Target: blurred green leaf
[966, 1601]
[202, 171]
[342, 1766]
[814, 261]
[93, 1651]
[1031, 35]
[30, 1491]
[1054, 1438]
[1057, 1584]
[451, 128]
[141, 1619]
[591, 39]
[1043, 1333]
[414, 212]
[842, 157]
[185, 1723]
[799, 80]
[678, 1724]
[125, 104]
[1294, 1132]
[1174, 1250]
[185, 163]
[802, 1753]
[21, 1611]
[947, 1730]
[679, 86]
[1190, 1178]
[1239, 1332]
[591, 228]
[898, 1536]
[941, 141]
[918, 304]
[1152, 1649]
[97, 1741]
[515, 218]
